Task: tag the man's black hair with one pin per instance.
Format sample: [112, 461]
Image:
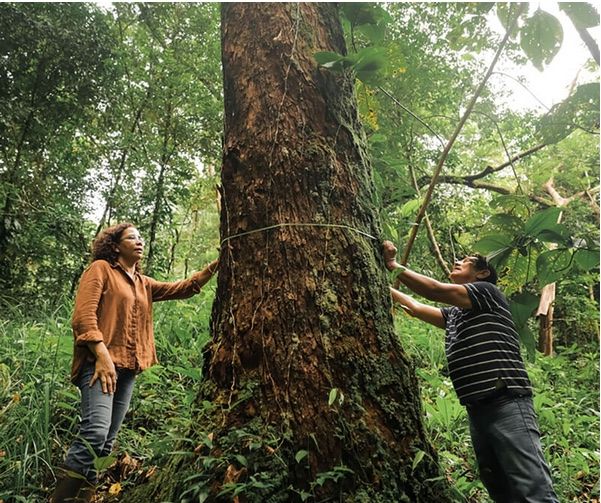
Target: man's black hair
[481, 264]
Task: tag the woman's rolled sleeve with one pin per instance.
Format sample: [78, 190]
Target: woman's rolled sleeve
[178, 289]
[85, 313]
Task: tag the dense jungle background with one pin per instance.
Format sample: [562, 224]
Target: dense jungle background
[115, 112]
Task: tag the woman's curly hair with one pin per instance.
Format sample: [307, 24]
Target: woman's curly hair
[103, 247]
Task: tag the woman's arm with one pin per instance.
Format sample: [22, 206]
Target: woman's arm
[182, 289]
[85, 325]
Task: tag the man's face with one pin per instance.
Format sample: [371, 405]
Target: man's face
[464, 271]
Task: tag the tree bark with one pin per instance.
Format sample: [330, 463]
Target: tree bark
[303, 349]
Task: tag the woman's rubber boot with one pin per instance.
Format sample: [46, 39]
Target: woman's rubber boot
[86, 493]
[67, 489]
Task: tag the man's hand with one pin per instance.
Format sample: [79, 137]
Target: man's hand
[389, 252]
[104, 370]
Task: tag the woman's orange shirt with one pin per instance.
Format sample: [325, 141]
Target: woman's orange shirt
[115, 308]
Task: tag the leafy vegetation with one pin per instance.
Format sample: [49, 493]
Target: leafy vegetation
[39, 413]
[121, 120]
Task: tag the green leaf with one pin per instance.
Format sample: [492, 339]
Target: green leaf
[492, 242]
[377, 138]
[75, 475]
[206, 440]
[374, 32]
[368, 62]
[542, 220]
[499, 257]
[103, 462]
[416, 460]
[528, 340]
[305, 495]
[325, 57]
[300, 455]
[360, 13]
[557, 233]
[331, 60]
[553, 265]
[241, 459]
[583, 15]
[581, 108]
[512, 203]
[541, 37]
[587, 259]
[507, 222]
[410, 207]
[521, 306]
[332, 396]
[507, 11]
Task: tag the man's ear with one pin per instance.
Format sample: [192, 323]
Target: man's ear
[484, 273]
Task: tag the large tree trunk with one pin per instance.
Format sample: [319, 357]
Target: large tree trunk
[301, 310]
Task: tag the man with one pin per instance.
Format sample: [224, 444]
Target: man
[488, 374]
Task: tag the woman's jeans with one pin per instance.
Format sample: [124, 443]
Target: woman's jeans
[101, 418]
[508, 449]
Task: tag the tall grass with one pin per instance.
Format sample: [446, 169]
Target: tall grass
[39, 410]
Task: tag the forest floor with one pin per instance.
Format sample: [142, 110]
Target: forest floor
[38, 405]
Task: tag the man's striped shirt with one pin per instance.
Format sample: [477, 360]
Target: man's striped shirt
[482, 346]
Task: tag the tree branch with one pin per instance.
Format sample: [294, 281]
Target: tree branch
[449, 145]
[468, 179]
[437, 253]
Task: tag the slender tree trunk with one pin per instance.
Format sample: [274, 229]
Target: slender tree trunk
[156, 214]
[160, 191]
[110, 200]
[303, 353]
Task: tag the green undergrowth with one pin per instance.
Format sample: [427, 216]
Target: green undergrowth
[566, 400]
[38, 410]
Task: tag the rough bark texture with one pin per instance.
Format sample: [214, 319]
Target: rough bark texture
[301, 310]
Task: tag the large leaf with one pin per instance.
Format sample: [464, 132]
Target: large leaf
[507, 222]
[333, 61]
[541, 37]
[557, 233]
[528, 340]
[499, 257]
[582, 14]
[580, 109]
[587, 259]
[521, 306]
[368, 62]
[516, 204]
[492, 243]
[542, 220]
[361, 13]
[103, 462]
[506, 12]
[374, 32]
[553, 265]
[410, 207]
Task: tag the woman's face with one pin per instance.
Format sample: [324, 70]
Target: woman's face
[131, 245]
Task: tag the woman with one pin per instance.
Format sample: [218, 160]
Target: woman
[112, 328]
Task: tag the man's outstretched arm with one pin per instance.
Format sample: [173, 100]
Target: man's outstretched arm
[429, 314]
[431, 289]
